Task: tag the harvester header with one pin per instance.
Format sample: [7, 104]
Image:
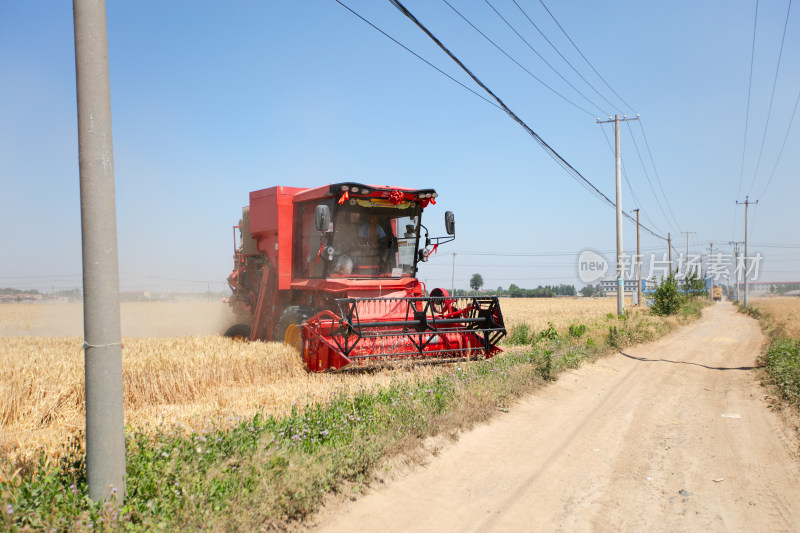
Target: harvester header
[332, 271]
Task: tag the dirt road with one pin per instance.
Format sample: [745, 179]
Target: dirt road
[669, 436]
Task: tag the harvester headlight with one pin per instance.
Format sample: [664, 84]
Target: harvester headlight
[345, 188]
[353, 189]
[364, 191]
[434, 195]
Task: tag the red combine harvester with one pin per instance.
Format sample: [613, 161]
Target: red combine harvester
[332, 271]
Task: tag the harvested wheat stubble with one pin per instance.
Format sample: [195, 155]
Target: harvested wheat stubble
[189, 382]
[562, 312]
[785, 310]
[192, 382]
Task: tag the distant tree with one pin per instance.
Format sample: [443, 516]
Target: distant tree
[786, 287]
[476, 282]
[694, 285]
[587, 291]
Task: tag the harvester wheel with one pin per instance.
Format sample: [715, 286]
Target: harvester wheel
[288, 329]
[294, 337]
[238, 332]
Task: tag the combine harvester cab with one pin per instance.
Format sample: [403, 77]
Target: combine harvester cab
[332, 271]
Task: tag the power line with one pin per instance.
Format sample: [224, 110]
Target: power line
[548, 149]
[624, 171]
[771, 99]
[541, 57]
[628, 183]
[404, 47]
[533, 254]
[772, 245]
[562, 55]
[649, 182]
[584, 57]
[658, 178]
[531, 74]
[783, 145]
[747, 113]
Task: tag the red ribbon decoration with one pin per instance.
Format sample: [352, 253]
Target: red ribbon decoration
[321, 246]
[433, 201]
[433, 250]
[395, 197]
[344, 198]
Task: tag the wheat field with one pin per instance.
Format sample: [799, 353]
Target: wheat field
[538, 312]
[786, 311]
[179, 372]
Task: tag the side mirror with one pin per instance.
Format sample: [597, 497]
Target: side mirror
[322, 218]
[449, 222]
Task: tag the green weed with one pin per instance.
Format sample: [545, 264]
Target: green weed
[270, 469]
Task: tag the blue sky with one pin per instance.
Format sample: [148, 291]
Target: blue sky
[211, 101]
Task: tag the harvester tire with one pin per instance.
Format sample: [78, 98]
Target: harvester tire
[238, 332]
[288, 329]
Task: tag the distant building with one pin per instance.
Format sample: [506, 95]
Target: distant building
[765, 287]
[609, 286]
[20, 297]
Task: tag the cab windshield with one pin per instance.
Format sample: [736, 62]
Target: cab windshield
[374, 241]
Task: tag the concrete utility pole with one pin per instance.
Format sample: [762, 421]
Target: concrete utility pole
[618, 167]
[669, 251]
[746, 204]
[687, 242]
[708, 267]
[736, 264]
[105, 429]
[638, 263]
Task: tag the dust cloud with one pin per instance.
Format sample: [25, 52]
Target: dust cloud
[138, 319]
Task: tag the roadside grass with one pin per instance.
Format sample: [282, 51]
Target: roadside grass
[271, 470]
[782, 363]
[781, 358]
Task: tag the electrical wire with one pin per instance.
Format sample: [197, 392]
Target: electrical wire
[562, 55]
[658, 178]
[404, 47]
[577, 176]
[646, 174]
[584, 57]
[488, 3]
[771, 99]
[747, 113]
[531, 74]
[628, 183]
[531, 254]
[783, 145]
